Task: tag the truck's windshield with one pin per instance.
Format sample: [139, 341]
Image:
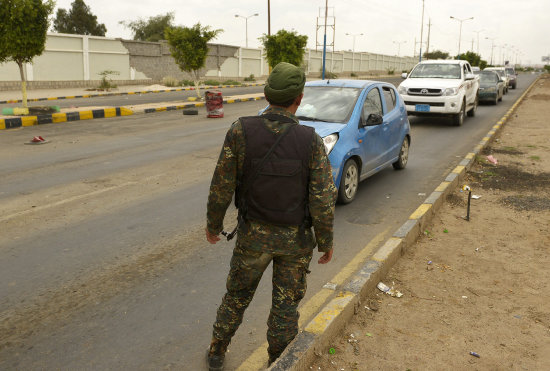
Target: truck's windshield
[437, 71]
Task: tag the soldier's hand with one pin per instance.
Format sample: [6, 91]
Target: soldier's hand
[326, 257]
[212, 238]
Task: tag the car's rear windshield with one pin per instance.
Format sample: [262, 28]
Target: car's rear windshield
[436, 71]
[488, 77]
[327, 103]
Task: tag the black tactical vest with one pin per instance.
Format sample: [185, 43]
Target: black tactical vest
[277, 192]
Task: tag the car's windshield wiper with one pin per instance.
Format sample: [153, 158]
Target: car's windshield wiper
[307, 118]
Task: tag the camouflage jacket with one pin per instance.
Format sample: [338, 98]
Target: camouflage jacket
[268, 237]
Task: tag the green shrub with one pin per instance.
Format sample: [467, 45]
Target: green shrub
[250, 78]
[353, 74]
[212, 82]
[390, 71]
[170, 81]
[186, 83]
[107, 83]
[231, 82]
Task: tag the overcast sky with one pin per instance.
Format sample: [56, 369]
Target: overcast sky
[521, 28]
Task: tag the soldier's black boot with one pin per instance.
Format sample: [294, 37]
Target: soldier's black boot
[215, 355]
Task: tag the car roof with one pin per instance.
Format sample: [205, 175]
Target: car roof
[494, 69]
[343, 83]
[443, 61]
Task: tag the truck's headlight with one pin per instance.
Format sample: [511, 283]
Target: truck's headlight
[330, 141]
[402, 90]
[451, 91]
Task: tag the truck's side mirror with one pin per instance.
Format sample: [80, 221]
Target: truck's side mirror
[404, 75]
[469, 76]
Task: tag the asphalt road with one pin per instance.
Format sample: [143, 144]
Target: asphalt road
[134, 99]
[103, 260]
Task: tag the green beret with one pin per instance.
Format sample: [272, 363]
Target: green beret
[285, 82]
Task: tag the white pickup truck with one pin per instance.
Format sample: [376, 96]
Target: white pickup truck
[441, 88]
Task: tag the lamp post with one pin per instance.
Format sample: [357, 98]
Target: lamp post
[353, 50]
[399, 46]
[354, 35]
[492, 46]
[477, 32]
[421, 33]
[460, 33]
[246, 23]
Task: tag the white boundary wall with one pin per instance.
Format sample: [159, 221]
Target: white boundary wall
[77, 57]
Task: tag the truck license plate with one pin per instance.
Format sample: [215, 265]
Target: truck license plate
[422, 108]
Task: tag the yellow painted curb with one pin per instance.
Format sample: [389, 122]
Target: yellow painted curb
[420, 211]
[442, 187]
[59, 117]
[322, 321]
[470, 156]
[384, 252]
[110, 112]
[459, 169]
[29, 121]
[126, 111]
[86, 115]
[2, 124]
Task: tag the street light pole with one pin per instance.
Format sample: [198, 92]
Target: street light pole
[399, 46]
[246, 23]
[354, 35]
[460, 32]
[492, 47]
[477, 32]
[353, 50]
[421, 32]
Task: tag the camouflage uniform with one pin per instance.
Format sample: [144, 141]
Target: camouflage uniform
[260, 243]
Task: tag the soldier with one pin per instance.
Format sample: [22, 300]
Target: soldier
[283, 186]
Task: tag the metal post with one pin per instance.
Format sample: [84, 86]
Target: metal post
[325, 40]
[421, 32]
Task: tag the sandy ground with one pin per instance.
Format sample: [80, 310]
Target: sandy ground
[480, 286]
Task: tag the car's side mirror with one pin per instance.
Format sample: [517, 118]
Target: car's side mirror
[469, 76]
[501, 80]
[404, 75]
[374, 119]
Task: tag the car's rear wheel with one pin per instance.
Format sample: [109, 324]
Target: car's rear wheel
[458, 119]
[403, 155]
[349, 182]
[472, 112]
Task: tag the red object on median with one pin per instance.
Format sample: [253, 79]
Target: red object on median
[214, 103]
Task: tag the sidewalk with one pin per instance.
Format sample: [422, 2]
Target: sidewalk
[14, 96]
[475, 293]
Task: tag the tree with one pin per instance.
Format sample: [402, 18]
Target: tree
[473, 58]
[23, 33]
[78, 20]
[151, 29]
[436, 54]
[188, 46]
[284, 46]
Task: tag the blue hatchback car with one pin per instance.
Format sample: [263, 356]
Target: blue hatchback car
[363, 124]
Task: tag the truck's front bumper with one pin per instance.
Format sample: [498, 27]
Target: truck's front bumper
[440, 105]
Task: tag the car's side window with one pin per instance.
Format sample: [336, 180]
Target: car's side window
[373, 104]
[389, 96]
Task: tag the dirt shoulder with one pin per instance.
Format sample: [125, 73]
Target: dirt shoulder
[471, 286]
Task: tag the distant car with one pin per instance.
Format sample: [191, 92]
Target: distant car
[475, 69]
[502, 74]
[363, 124]
[491, 87]
[512, 75]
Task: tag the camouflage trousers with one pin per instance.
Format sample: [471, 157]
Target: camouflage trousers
[289, 287]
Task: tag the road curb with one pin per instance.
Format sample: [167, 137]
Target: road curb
[125, 93]
[318, 333]
[17, 122]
